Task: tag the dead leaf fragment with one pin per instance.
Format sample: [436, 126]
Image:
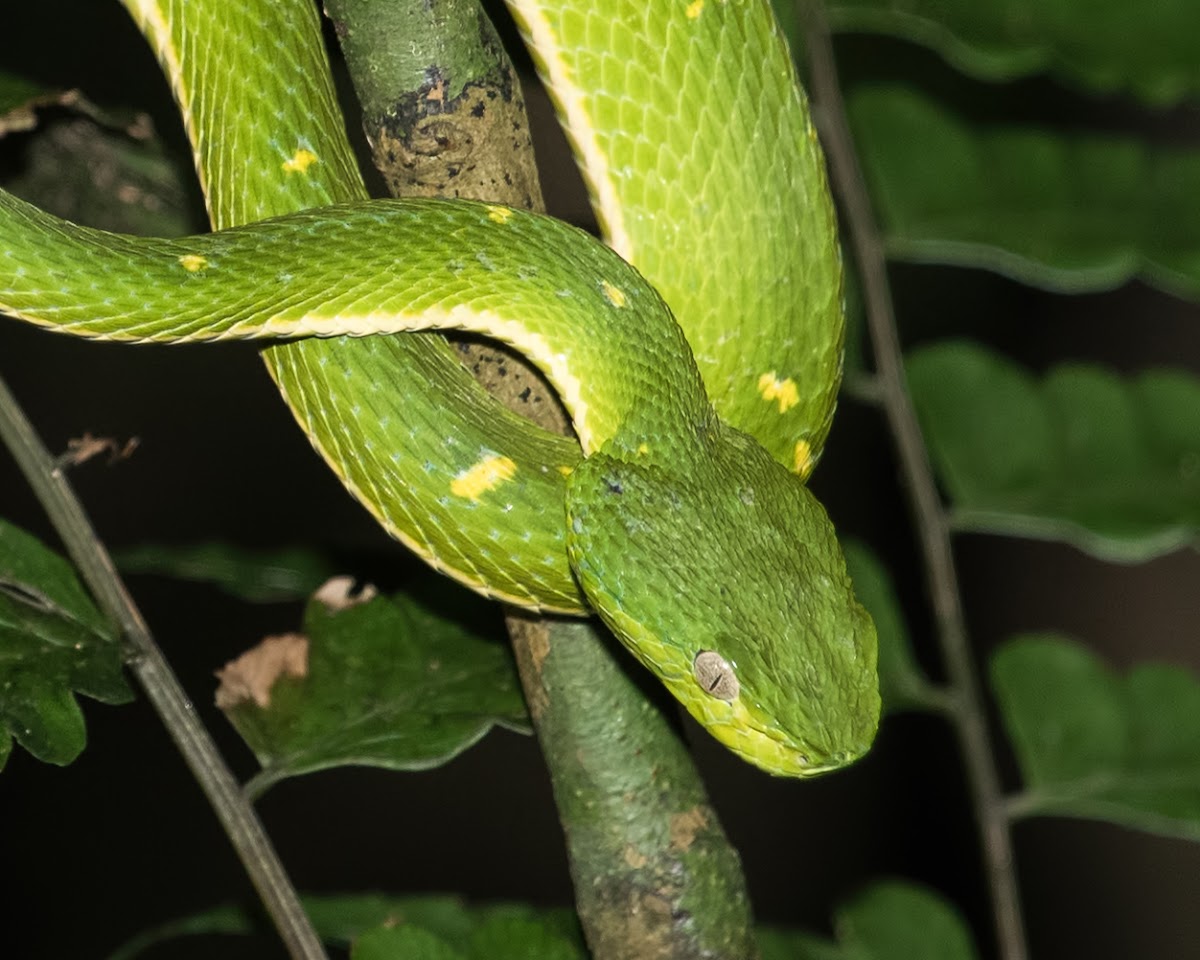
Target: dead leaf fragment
[82, 449]
[338, 593]
[252, 675]
[21, 117]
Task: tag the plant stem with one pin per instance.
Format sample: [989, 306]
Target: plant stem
[968, 712]
[162, 688]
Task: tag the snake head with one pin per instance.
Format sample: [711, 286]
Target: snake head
[721, 571]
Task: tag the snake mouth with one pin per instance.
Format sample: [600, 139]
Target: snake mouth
[775, 751]
[786, 758]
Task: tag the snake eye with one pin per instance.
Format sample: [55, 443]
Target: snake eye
[715, 675]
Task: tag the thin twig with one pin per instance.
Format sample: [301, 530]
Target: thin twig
[162, 688]
[929, 516]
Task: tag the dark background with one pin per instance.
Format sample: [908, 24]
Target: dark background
[122, 838]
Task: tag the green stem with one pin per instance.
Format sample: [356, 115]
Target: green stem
[655, 876]
[968, 713]
[162, 688]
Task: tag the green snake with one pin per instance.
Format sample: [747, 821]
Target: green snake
[700, 381]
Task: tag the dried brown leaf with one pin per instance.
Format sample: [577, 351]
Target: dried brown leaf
[252, 675]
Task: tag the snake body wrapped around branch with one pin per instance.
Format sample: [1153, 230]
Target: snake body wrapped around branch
[682, 520]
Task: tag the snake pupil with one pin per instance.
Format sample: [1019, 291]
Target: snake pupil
[715, 675]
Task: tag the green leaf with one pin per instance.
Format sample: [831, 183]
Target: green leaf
[1094, 44]
[1093, 744]
[342, 918]
[890, 920]
[514, 937]
[1054, 209]
[31, 572]
[260, 576]
[778, 944]
[53, 642]
[899, 921]
[226, 919]
[402, 943]
[442, 920]
[1111, 465]
[467, 928]
[405, 683]
[902, 684]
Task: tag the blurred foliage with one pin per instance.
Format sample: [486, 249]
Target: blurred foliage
[1109, 464]
[1054, 208]
[1094, 744]
[1098, 46]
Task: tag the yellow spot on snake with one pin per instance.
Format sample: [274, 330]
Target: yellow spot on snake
[566, 471]
[802, 461]
[486, 475]
[192, 262]
[694, 8]
[499, 214]
[300, 162]
[782, 390]
[643, 449]
[614, 295]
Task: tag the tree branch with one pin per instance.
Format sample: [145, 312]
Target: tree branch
[968, 711]
[162, 688]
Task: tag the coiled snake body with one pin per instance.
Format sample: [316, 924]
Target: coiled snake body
[682, 520]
